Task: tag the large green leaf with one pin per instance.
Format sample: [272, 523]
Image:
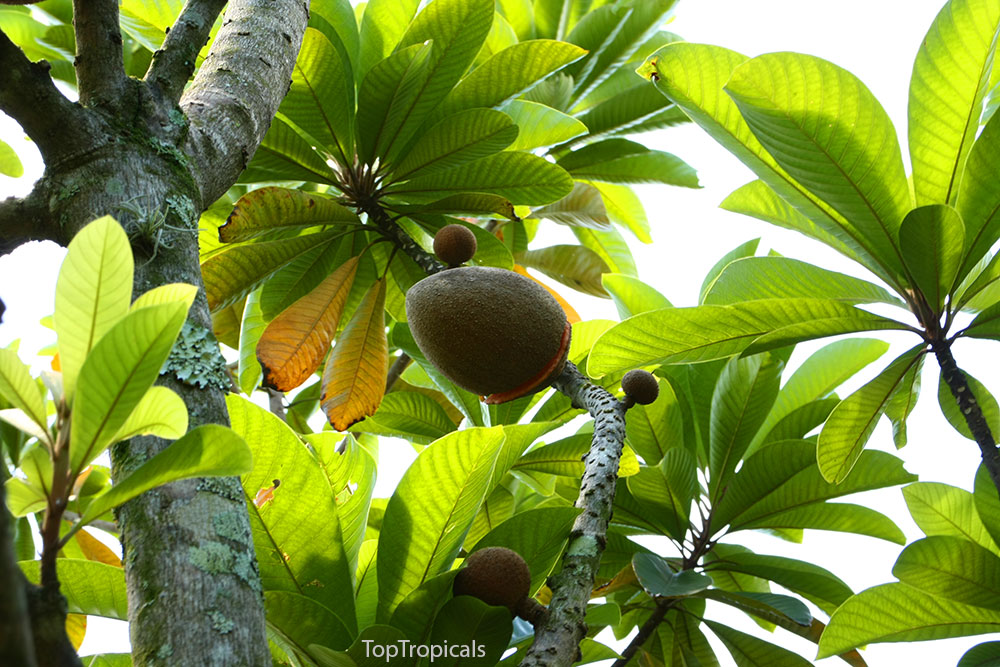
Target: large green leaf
[951, 567]
[457, 139]
[931, 239]
[160, 412]
[986, 502]
[940, 509]
[408, 414]
[118, 372]
[753, 278]
[653, 430]
[321, 97]
[624, 161]
[541, 125]
[950, 79]
[987, 403]
[520, 177]
[207, 451]
[465, 621]
[609, 245]
[577, 266]
[636, 109]
[852, 422]
[284, 154]
[625, 209]
[248, 371]
[508, 73]
[979, 198]
[693, 76]
[818, 376]
[743, 397]
[739, 252]
[841, 517]
[295, 522]
[455, 30]
[826, 129]
[301, 621]
[262, 210]
[583, 207]
[89, 587]
[702, 333]
[900, 613]
[382, 25]
[665, 491]
[93, 292]
[236, 271]
[903, 401]
[432, 509]
[657, 578]
[986, 324]
[749, 651]
[20, 390]
[981, 655]
[631, 295]
[781, 610]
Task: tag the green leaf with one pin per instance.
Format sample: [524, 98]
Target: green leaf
[93, 292]
[285, 155]
[655, 429]
[693, 76]
[986, 502]
[207, 451]
[753, 278]
[89, 587]
[473, 204]
[160, 412]
[583, 207]
[749, 651]
[465, 621]
[108, 660]
[296, 524]
[631, 295]
[852, 422]
[636, 109]
[576, 266]
[624, 161]
[778, 609]
[743, 396]
[739, 252]
[520, 177]
[799, 422]
[382, 25]
[432, 509]
[118, 372]
[950, 78]
[842, 517]
[818, 376]
[826, 129]
[409, 415]
[416, 612]
[457, 139]
[541, 125]
[625, 209]
[269, 208]
[702, 333]
[987, 403]
[986, 324]
[490, 251]
[940, 509]
[320, 99]
[237, 271]
[953, 568]
[538, 535]
[20, 390]
[981, 655]
[455, 30]
[610, 246]
[657, 578]
[806, 579]
[979, 198]
[509, 73]
[664, 492]
[10, 164]
[248, 372]
[301, 621]
[903, 401]
[931, 239]
[899, 613]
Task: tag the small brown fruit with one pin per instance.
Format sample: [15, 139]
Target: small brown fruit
[454, 244]
[496, 575]
[641, 386]
[489, 330]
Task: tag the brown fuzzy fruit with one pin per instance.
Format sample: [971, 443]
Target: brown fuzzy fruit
[641, 386]
[454, 244]
[490, 331]
[496, 575]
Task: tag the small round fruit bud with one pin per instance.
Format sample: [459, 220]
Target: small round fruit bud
[496, 575]
[641, 386]
[454, 244]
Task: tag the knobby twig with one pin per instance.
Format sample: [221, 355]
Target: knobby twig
[557, 640]
[100, 64]
[397, 368]
[174, 62]
[970, 408]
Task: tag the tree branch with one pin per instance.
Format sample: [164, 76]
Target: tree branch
[99, 63]
[557, 640]
[236, 92]
[645, 632]
[15, 631]
[27, 219]
[967, 403]
[58, 127]
[397, 368]
[174, 63]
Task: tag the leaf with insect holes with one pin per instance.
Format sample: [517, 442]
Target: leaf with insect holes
[355, 374]
[295, 342]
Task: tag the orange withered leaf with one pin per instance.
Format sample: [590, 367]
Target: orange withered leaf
[94, 549]
[355, 374]
[294, 343]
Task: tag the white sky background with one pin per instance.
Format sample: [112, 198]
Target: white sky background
[876, 40]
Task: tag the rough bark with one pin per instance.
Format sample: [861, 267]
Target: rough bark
[129, 150]
[557, 640]
[16, 646]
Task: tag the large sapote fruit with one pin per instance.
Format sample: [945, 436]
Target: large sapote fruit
[490, 331]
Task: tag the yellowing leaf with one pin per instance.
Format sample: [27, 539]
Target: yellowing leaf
[76, 629]
[571, 315]
[354, 379]
[96, 550]
[294, 343]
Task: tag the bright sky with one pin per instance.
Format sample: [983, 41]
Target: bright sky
[875, 39]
